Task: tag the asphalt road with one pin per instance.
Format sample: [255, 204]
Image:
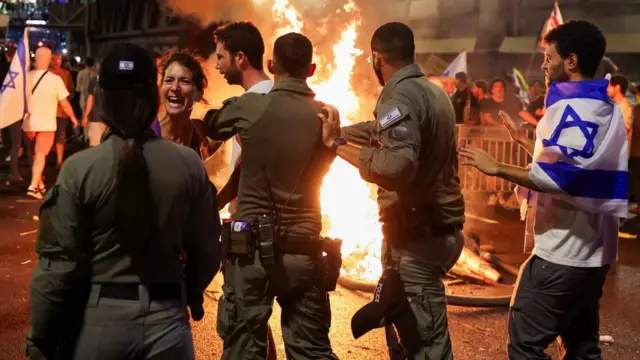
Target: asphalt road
[476, 333]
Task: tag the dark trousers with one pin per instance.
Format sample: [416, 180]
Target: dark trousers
[554, 300]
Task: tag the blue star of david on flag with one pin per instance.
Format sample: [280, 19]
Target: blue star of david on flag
[11, 81]
[571, 119]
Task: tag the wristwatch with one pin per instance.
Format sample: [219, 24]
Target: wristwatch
[337, 142]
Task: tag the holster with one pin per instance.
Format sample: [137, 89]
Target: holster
[324, 249]
[237, 243]
[331, 262]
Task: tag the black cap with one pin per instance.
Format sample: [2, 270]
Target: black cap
[127, 67]
[389, 306]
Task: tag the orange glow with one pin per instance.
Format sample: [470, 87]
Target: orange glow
[349, 209]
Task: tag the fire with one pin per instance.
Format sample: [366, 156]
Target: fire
[349, 209]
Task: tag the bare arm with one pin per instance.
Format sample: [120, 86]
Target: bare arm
[526, 116]
[485, 163]
[66, 106]
[87, 110]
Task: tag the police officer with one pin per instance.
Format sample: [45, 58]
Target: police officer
[409, 151]
[273, 247]
[128, 236]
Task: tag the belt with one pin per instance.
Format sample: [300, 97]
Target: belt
[157, 291]
[448, 229]
[300, 245]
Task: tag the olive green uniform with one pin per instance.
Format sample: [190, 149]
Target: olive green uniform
[409, 151]
[283, 159]
[82, 260]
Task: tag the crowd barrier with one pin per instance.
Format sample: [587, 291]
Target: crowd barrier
[496, 141]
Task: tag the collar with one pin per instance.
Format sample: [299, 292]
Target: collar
[409, 71]
[294, 85]
[257, 86]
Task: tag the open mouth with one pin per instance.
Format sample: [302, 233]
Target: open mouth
[175, 101]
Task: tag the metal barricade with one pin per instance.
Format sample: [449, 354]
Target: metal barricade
[496, 141]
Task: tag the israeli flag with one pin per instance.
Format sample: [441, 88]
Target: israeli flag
[581, 149]
[14, 92]
[459, 64]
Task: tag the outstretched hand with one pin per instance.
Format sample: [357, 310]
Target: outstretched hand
[514, 129]
[330, 118]
[479, 159]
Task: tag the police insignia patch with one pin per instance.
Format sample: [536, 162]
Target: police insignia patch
[391, 115]
[398, 133]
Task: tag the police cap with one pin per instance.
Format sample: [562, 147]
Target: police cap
[127, 67]
[389, 306]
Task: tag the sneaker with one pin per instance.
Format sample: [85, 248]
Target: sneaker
[36, 193]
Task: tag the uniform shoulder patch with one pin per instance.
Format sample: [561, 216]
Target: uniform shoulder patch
[392, 114]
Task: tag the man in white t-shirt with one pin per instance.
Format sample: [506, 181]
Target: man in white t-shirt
[559, 287]
[239, 50]
[47, 90]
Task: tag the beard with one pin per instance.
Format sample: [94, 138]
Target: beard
[556, 75]
[233, 75]
[378, 72]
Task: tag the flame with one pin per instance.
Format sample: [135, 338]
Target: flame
[349, 209]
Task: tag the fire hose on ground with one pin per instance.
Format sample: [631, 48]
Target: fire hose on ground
[473, 266]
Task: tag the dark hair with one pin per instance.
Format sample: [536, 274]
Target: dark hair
[292, 54]
[498, 80]
[242, 36]
[583, 39]
[619, 80]
[462, 76]
[395, 42]
[194, 64]
[90, 61]
[481, 84]
[128, 103]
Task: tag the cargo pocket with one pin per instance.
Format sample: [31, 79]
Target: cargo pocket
[227, 313]
[430, 312]
[422, 311]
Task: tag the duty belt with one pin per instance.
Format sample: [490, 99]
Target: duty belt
[300, 245]
[246, 243]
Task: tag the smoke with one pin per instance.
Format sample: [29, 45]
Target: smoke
[210, 11]
[323, 24]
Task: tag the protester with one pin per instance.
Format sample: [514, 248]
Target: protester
[578, 188]
[47, 92]
[62, 119]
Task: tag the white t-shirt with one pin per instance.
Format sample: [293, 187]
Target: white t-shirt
[567, 235]
[261, 87]
[44, 101]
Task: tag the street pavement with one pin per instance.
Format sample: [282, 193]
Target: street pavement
[476, 333]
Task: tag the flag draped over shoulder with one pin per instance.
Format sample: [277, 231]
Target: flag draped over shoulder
[581, 148]
[14, 91]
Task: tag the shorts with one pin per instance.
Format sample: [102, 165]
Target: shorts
[61, 129]
[43, 139]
